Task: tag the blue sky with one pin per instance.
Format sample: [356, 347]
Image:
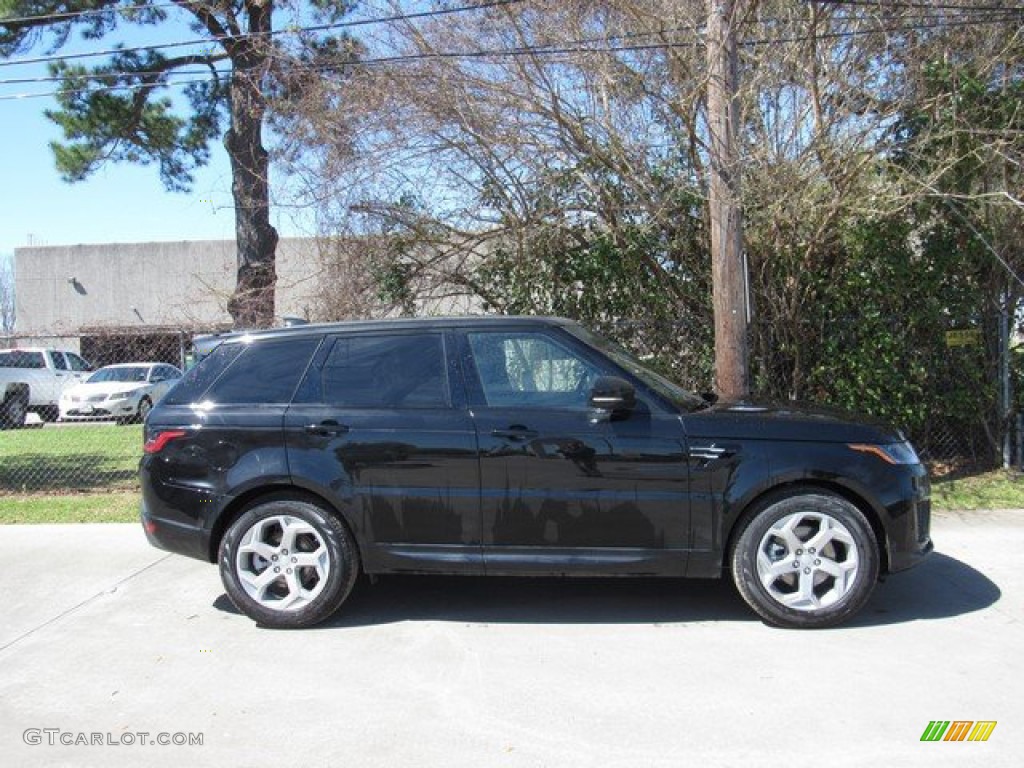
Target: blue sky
[120, 203]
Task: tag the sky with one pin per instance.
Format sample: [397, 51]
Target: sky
[120, 203]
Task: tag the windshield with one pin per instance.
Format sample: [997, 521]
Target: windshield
[664, 387]
[135, 374]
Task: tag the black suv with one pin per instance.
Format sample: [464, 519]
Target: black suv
[300, 457]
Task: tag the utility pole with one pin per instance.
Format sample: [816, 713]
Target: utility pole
[1005, 397]
[728, 268]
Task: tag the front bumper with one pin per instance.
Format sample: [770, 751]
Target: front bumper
[909, 529]
[116, 409]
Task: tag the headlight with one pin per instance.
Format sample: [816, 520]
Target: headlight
[119, 395]
[894, 453]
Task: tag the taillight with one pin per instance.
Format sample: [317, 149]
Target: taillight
[159, 441]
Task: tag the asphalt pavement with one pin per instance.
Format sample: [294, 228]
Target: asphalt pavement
[109, 647]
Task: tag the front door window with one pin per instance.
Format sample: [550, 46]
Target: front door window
[530, 370]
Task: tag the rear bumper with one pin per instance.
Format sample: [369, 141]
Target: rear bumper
[174, 536]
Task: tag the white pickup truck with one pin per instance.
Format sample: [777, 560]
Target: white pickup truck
[32, 379]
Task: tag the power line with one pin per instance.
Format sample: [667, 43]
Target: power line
[71, 15]
[571, 47]
[104, 89]
[272, 33]
[105, 75]
[1006, 14]
[937, 24]
[381, 60]
[904, 4]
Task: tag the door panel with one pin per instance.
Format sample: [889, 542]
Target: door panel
[563, 490]
[402, 466]
[61, 376]
[574, 483]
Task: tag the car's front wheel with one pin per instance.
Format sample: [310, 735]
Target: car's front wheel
[288, 563]
[805, 559]
[14, 411]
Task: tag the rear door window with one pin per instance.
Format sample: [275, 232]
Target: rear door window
[21, 359]
[266, 372]
[198, 379]
[386, 371]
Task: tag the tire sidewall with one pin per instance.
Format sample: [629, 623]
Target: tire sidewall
[761, 519]
[14, 412]
[344, 564]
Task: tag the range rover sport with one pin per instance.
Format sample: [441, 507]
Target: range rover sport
[298, 458]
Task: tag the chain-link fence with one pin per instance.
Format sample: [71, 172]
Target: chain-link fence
[96, 447]
[65, 435]
[951, 446]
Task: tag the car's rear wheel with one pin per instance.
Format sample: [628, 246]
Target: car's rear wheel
[288, 563]
[805, 559]
[49, 413]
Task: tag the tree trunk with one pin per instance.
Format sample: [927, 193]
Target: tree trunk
[252, 304]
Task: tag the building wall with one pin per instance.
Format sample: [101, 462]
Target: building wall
[186, 284]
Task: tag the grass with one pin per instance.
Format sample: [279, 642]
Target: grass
[122, 507]
[90, 457]
[77, 474]
[998, 489]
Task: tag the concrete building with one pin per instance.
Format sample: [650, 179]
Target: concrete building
[138, 301]
[142, 300]
[129, 286]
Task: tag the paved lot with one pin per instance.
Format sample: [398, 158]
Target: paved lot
[104, 635]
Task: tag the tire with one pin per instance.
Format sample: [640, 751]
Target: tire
[805, 559]
[49, 413]
[258, 541]
[145, 406]
[14, 412]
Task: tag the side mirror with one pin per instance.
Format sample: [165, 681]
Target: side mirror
[613, 395]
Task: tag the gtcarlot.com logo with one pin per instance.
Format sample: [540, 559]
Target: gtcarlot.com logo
[54, 736]
[958, 730]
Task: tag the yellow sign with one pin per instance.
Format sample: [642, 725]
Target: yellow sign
[965, 338]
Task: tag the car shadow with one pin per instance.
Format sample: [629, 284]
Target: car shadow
[536, 600]
[941, 587]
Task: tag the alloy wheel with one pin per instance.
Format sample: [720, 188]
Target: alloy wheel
[282, 563]
[808, 561]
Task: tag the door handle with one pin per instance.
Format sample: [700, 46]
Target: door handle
[324, 428]
[515, 432]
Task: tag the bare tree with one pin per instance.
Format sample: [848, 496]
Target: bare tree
[6, 295]
[512, 174]
[553, 157]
